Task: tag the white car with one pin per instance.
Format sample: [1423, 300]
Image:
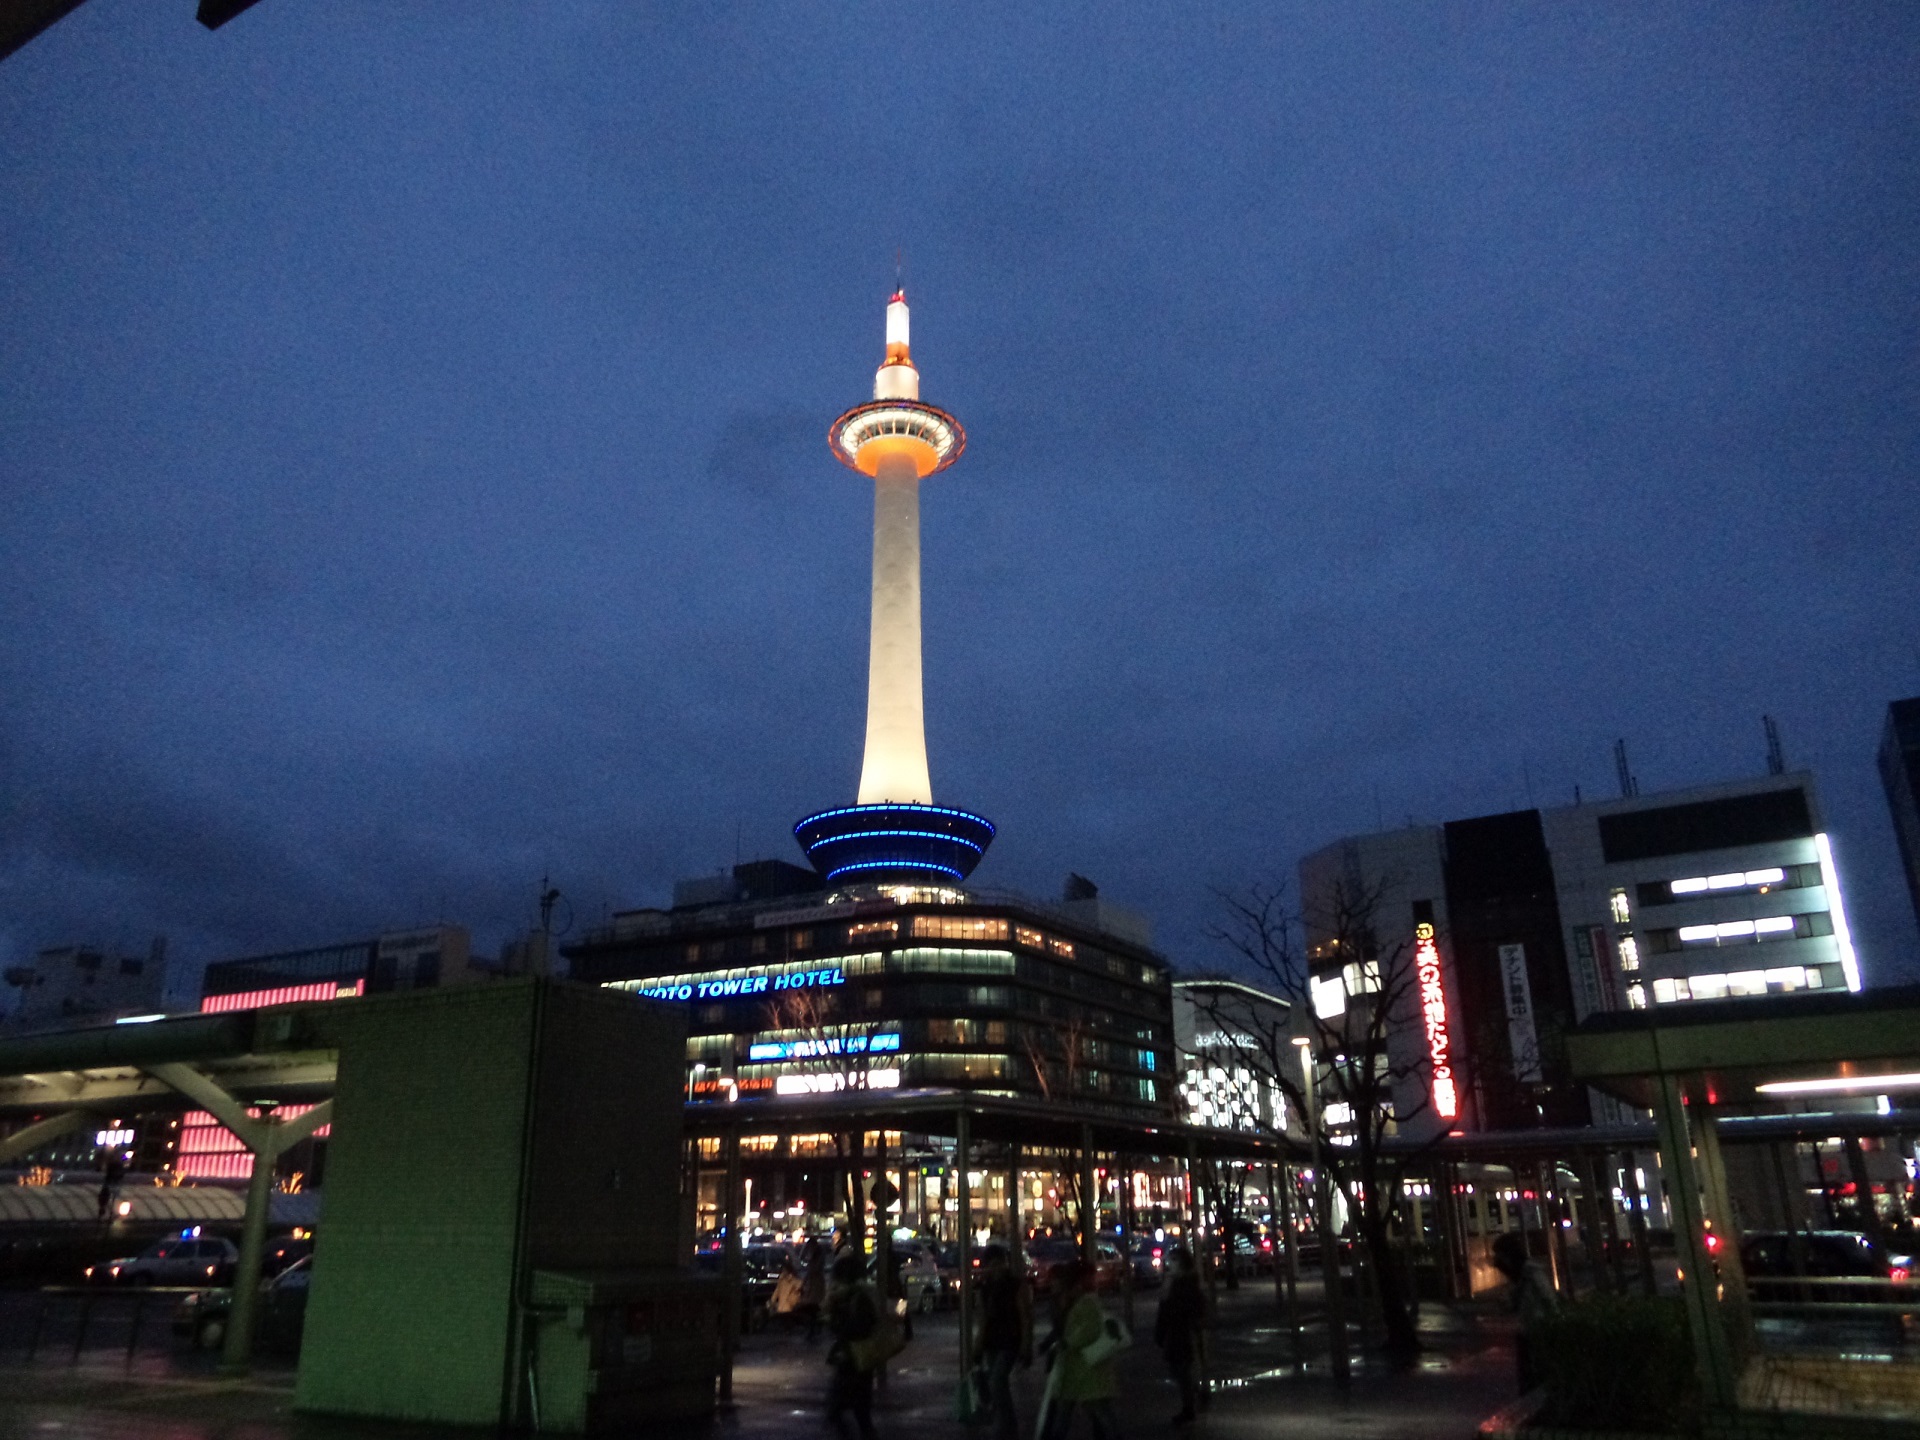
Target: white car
[177, 1260]
[919, 1274]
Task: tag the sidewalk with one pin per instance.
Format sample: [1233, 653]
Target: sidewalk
[780, 1380]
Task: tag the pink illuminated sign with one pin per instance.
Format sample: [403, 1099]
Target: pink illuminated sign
[1433, 1008]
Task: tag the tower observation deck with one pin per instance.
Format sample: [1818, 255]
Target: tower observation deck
[894, 831]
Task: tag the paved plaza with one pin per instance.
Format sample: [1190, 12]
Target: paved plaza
[169, 1393]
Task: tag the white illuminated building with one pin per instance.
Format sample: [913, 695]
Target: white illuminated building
[1536, 919]
[1690, 906]
[1226, 1032]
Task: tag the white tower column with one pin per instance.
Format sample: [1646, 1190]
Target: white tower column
[895, 766]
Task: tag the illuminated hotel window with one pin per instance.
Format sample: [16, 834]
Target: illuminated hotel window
[978, 962]
[801, 939]
[1629, 954]
[887, 929]
[809, 1147]
[1028, 937]
[1618, 903]
[958, 927]
[758, 1144]
[967, 1032]
[1061, 947]
[1637, 997]
[709, 1147]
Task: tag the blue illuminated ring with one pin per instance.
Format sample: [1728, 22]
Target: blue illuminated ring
[885, 841]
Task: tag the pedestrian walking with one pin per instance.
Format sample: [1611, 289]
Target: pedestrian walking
[1080, 1380]
[853, 1319]
[1179, 1329]
[1531, 1296]
[897, 1290]
[1004, 1336]
[813, 1286]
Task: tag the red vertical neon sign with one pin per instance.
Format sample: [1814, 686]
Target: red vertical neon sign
[1433, 1009]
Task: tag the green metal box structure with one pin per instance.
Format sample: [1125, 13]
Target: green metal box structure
[622, 1349]
[480, 1135]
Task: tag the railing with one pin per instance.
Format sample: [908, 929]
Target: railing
[1901, 1295]
[91, 1297]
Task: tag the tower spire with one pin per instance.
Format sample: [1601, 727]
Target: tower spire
[895, 830]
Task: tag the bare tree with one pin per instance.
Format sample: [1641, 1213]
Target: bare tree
[1346, 997]
[839, 1055]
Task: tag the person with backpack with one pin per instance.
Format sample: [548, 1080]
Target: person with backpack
[1178, 1329]
[854, 1319]
[1084, 1344]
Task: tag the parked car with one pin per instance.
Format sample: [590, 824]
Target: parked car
[279, 1321]
[1772, 1258]
[758, 1275]
[1111, 1271]
[185, 1259]
[920, 1274]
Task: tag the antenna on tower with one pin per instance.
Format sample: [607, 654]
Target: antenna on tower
[1776, 757]
[899, 271]
[1629, 787]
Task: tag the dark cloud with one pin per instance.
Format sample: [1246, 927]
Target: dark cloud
[412, 476]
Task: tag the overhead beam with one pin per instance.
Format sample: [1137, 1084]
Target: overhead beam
[25, 1141]
[130, 1089]
[214, 1100]
[21, 20]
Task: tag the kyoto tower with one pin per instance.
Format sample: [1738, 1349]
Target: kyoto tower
[894, 831]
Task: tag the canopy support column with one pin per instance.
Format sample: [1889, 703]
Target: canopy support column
[268, 1139]
[730, 1260]
[1712, 1352]
[963, 1187]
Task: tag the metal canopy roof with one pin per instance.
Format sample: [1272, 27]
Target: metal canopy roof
[285, 1053]
[1725, 1049]
[289, 1053]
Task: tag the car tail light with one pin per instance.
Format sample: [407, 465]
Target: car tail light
[1265, 1243]
[1899, 1274]
[1713, 1243]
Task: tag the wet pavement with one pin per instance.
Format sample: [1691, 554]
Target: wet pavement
[168, 1392]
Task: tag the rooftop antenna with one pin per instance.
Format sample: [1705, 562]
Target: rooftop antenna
[1776, 757]
[1629, 787]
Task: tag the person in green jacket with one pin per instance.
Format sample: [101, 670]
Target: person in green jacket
[1076, 1384]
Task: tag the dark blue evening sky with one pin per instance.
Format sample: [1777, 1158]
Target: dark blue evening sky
[412, 438]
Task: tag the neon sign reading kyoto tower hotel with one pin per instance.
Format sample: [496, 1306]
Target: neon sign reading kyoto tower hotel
[895, 832]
